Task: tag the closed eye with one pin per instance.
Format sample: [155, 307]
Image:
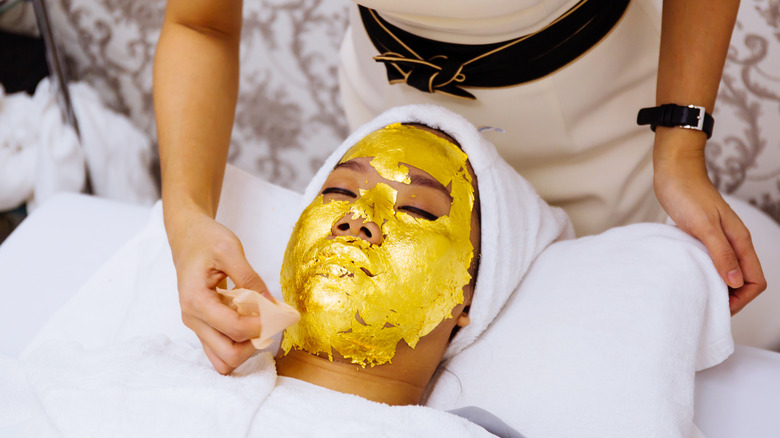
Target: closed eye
[339, 191]
[418, 212]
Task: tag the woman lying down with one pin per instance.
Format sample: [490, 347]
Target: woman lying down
[382, 266]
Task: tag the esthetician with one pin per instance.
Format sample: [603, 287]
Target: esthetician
[563, 80]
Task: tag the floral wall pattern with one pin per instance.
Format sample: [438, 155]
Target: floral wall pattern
[289, 115]
[744, 154]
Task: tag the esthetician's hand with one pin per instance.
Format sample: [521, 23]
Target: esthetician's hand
[205, 253]
[695, 205]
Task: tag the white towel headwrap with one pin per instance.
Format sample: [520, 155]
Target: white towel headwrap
[516, 223]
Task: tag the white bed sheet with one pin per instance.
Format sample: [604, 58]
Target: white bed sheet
[52, 253]
[55, 250]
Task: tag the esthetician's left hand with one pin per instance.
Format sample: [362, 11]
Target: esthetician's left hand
[695, 205]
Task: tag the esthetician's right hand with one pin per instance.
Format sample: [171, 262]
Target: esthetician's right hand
[205, 253]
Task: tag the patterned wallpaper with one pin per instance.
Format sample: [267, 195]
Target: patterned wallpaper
[744, 154]
[289, 116]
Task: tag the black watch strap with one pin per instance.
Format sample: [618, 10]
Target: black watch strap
[690, 117]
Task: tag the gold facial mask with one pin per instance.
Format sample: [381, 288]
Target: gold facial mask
[361, 299]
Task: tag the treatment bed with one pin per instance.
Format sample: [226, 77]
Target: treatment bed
[56, 250]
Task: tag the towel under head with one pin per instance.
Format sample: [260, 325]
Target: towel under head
[516, 223]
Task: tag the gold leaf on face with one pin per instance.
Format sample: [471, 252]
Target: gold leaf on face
[361, 299]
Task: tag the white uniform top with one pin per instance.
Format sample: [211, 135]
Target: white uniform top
[470, 22]
[572, 134]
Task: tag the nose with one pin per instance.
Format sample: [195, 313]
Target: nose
[358, 227]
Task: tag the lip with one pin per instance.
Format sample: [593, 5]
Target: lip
[330, 269]
[341, 259]
[334, 268]
[339, 251]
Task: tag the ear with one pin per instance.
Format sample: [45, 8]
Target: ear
[463, 319]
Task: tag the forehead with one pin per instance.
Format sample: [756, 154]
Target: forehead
[396, 144]
[416, 176]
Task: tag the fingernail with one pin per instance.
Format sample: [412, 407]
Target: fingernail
[735, 278]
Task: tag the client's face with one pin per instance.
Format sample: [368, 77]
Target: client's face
[383, 254]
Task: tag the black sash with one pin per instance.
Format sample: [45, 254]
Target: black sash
[435, 66]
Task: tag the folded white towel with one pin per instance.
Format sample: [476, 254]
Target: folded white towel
[516, 223]
[602, 339]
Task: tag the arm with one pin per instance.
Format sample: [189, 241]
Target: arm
[195, 92]
[695, 38]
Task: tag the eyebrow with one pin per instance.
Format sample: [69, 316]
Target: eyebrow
[424, 181]
[356, 166]
[414, 179]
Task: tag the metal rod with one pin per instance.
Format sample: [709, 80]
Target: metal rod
[58, 77]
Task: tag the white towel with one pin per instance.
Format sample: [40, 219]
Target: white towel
[153, 387]
[147, 386]
[41, 155]
[602, 339]
[516, 223]
[119, 155]
[300, 409]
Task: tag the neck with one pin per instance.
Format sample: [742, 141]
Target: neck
[401, 382]
[380, 383]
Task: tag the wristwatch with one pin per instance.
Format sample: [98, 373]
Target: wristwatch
[689, 117]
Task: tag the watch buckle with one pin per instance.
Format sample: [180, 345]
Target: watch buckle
[699, 119]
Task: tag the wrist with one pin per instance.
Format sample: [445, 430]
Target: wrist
[179, 214]
[675, 147]
[678, 155]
